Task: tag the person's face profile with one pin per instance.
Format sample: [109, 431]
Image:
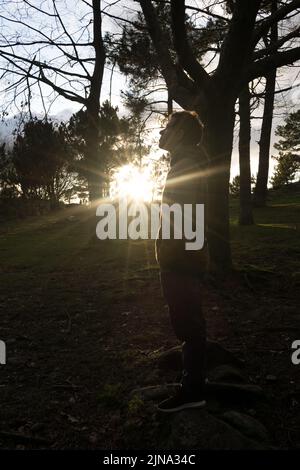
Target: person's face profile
[170, 136]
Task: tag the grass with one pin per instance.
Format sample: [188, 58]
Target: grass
[81, 319]
[273, 242]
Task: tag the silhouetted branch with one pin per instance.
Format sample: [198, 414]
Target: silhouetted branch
[280, 59]
[236, 49]
[265, 25]
[185, 55]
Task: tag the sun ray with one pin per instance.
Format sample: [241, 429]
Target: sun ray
[132, 182]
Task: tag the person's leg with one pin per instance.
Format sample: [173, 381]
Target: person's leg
[183, 295]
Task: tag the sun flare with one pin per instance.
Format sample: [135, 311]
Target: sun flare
[132, 182]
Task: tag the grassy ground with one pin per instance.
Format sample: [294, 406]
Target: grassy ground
[82, 320]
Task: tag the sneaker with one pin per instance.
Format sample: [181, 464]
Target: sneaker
[181, 401]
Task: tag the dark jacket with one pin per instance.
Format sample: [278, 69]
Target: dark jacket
[185, 184]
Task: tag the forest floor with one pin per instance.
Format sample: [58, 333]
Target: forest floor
[82, 318]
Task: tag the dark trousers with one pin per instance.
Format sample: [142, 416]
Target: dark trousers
[183, 295]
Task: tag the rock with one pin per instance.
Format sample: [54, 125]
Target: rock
[37, 427]
[155, 392]
[247, 425]
[197, 429]
[234, 393]
[226, 373]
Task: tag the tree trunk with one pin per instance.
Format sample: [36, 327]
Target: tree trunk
[260, 192]
[218, 139]
[246, 216]
[94, 175]
[54, 200]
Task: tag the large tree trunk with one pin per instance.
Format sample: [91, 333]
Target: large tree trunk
[246, 216]
[192, 87]
[260, 192]
[170, 104]
[94, 175]
[218, 139]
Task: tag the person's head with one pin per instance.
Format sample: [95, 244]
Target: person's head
[184, 128]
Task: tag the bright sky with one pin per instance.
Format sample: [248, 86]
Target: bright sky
[76, 14]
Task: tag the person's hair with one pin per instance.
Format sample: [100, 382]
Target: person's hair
[191, 125]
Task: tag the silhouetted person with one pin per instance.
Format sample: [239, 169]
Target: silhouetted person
[182, 271]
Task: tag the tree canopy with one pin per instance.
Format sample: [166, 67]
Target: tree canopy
[288, 160]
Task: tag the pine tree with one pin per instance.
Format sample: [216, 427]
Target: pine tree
[288, 159]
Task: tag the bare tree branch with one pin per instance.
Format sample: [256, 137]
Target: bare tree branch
[168, 69]
[274, 47]
[206, 12]
[70, 38]
[277, 16]
[42, 65]
[185, 55]
[235, 51]
[280, 59]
